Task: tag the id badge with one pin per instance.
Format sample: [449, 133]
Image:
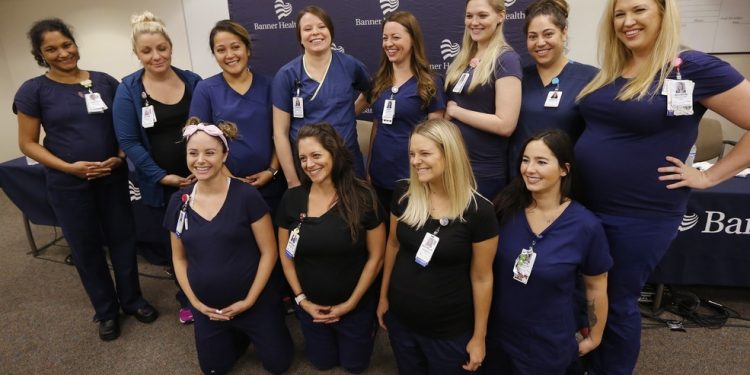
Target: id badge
[553, 99]
[523, 265]
[389, 110]
[680, 97]
[426, 249]
[291, 245]
[298, 107]
[148, 116]
[461, 82]
[94, 103]
[181, 223]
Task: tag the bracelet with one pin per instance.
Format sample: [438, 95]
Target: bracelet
[273, 171]
[299, 298]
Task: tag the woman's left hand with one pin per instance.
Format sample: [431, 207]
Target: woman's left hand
[235, 309]
[476, 350]
[336, 312]
[586, 345]
[684, 175]
[260, 179]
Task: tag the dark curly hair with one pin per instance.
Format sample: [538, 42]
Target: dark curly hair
[36, 36]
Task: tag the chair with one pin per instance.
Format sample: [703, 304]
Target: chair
[710, 143]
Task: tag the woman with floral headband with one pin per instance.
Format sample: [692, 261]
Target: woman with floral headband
[224, 251]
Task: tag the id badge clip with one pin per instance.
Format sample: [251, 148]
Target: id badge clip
[298, 105]
[554, 96]
[291, 246]
[148, 115]
[389, 108]
[182, 222]
[429, 244]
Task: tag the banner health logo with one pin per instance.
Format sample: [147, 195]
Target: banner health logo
[388, 6]
[688, 222]
[449, 50]
[509, 3]
[337, 48]
[282, 9]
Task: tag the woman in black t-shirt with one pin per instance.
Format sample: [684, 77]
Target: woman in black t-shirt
[437, 278]
[332, 240]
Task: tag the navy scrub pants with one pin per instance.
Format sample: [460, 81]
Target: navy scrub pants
[93, 214]
[421, 355]
[636, 245]
[347, 343]
[221, 343]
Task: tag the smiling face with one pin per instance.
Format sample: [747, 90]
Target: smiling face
[153, 51]
[481, 20]
[637, 24]
[205, 156]
[230, 52]
[545, 41]
[426, 158]
[397, 43]
[316, 161]
[59, 51]
[540, 169]
[314, 34]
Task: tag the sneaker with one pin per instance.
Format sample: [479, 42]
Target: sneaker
[186, 315]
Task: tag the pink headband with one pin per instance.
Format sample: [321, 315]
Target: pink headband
[209, 129]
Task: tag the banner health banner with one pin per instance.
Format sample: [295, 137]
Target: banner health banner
[358, 28]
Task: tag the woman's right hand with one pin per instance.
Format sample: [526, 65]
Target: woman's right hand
[88, 170]
[383, 306]
[318, 313]
[210, 312]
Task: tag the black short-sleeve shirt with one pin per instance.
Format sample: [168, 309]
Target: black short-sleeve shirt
[327, 262]
[436, 300]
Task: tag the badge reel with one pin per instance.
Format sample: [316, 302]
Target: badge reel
[298, 105]
[389, 108]
[524, 264]
[182, 222]
[94, 102]
[554, 96]
[679, 93]
[148, 115]
[291, 245]
[429, 243]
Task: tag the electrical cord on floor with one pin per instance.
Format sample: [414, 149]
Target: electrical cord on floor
[694, 311]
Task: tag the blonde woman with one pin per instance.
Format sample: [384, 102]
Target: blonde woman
[437, 277]
[150, 108]
[483, 88]
[630, 152]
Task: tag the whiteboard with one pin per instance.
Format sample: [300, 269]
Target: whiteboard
[716, 26]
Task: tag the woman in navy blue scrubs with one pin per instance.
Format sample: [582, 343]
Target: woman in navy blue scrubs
[631, 150]
[550, 86]
[321, 86]
[331, 244]
[87, 178]
[224, 252]
[405, 81]
[483, 88]
[437, 276]
[243, 97]
[151, 142]
[547, 239]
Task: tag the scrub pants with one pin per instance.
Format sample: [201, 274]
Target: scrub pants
[92, 212]
[221, 343]
[636, 246]
[421, 355]
[347, 343]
